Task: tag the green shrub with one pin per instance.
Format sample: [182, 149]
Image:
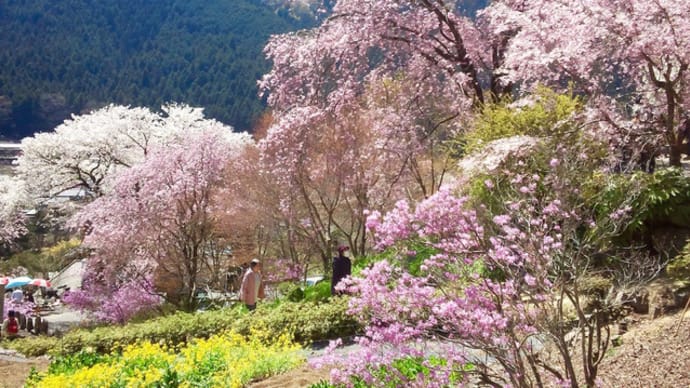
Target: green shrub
[172, 329]
[409, 256]
[539, 119]
[32, 346]
[320, 292]
[84, 358]
[295, 294]
[284, 288]
[661, 198]
[307, 321]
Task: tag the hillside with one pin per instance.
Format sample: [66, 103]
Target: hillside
[72, 56]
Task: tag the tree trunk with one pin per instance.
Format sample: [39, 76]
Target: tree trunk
[675, 153]
[2, 302]
[326, 262]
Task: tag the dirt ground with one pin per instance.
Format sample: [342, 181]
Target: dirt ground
[298, 378]
[650, 355]
[14, 370]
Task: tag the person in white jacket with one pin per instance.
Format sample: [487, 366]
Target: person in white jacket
[252, 287]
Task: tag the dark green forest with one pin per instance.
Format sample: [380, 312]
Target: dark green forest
[59, 57]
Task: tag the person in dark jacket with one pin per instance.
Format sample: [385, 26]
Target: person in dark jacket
[342, 268]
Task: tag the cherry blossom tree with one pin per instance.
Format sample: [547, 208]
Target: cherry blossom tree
[364, 104]
[13, 204]
[246, 219]
[634, 51]
[161, 214]
[85, 151]
[421, 63]
[326, 177]
[429, 41]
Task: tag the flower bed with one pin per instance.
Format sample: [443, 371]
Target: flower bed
[227, 360]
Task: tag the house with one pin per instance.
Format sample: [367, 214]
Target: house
[9, 152]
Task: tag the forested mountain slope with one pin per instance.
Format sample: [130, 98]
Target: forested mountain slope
[69, 56]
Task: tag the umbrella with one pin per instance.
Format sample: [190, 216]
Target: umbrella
[40, 283]
[5, 279]
[18, 282]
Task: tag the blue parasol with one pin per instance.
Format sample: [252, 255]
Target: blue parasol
[18, 282]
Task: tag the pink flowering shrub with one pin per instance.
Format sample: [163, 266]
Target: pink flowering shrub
[24, 308]
[490, 287]
[453, 298]
[114, 302]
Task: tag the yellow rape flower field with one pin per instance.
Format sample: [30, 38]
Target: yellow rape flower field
[225, 360]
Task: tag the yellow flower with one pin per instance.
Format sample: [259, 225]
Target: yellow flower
[224, 360]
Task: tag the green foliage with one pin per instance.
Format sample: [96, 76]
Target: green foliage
[538, 119]
[296, 294]
[492, 197]
[320, 292]
[367, 261]
[403, 369]
[410, 257]
[29, 259]
[489, 192]
[83, 358]
[418, 252]
[661, 198]
[552, 120]
[594, 285]
[61, 249]
[32, 346]
[306, 321]
[322, 384]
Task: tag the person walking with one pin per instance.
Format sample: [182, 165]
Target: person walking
[342, 268]
[252, 287]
